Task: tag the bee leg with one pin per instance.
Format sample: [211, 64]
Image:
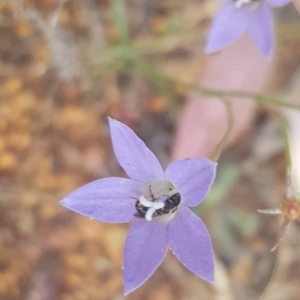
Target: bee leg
[174, 209]
[137, 215]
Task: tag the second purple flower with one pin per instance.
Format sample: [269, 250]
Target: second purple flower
[237, 17]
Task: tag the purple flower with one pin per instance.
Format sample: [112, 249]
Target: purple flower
[238, 16]
[156, 202]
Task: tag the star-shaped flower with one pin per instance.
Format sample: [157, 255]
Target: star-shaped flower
[156, 202]
[290, 209]
[239, 16]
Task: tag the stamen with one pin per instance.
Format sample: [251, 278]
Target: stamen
[158, 205]
[239, 3]
[149, 213]
[145, 202]
[153, 206]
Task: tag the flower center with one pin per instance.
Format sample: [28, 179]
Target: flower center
[158, 198]
[249, 4]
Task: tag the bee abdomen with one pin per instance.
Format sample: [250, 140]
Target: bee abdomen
[141, 209]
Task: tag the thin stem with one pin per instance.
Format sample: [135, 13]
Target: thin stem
[287, 149]
[273, 279]
[120, 19]
[260, 99]
[282, 125]
[218, 150]
[54, 18]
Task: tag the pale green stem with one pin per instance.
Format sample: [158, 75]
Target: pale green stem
[120, 18]
[260, 99]
[282, 124]
[218, 150]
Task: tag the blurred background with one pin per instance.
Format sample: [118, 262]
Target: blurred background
[67, 65]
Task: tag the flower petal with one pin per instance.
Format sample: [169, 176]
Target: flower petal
[191, 243]
[261, 30]
[277, 3]
[228, 25]
[145, 248]
[270, 211]
[133, 155]
[108, 200]
[193, 178]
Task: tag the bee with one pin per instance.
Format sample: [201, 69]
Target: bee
[170, 205]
